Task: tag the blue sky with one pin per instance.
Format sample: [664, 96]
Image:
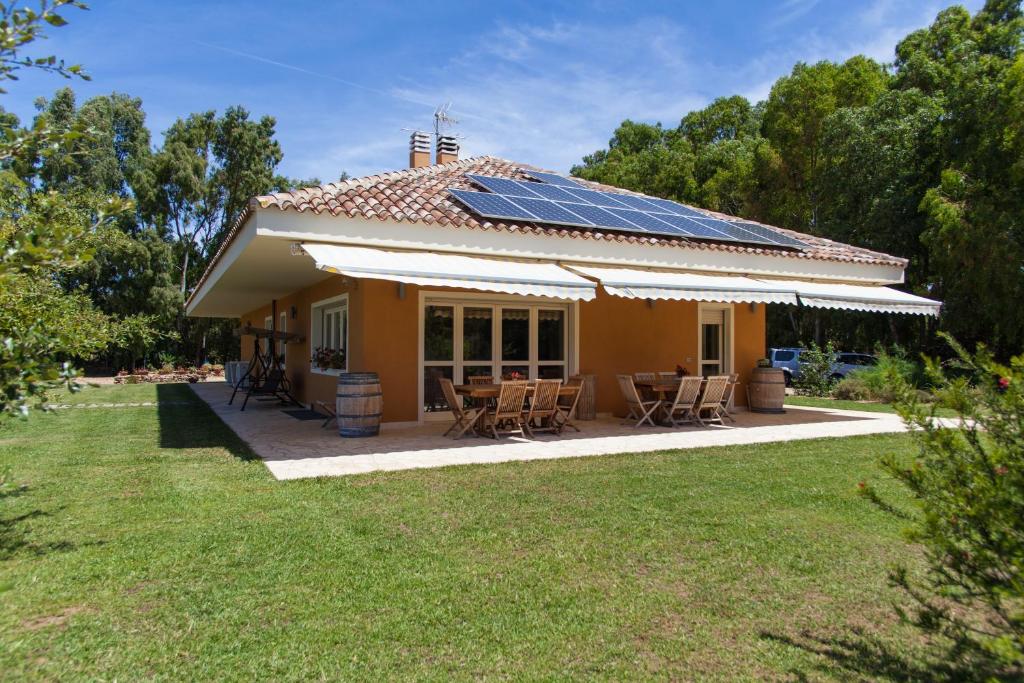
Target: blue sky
[537, 82]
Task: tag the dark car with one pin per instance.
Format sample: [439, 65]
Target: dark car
[788, 358]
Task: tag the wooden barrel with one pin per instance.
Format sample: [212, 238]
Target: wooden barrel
[359, 404]
[766, 391]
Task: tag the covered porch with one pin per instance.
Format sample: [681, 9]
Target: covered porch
[295, 449]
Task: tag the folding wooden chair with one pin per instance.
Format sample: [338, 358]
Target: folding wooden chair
[482, 403]
[670, 376]
[639, 409]
[465, 418]
[646, 393]
[681, 409]
[543, 407]
[507, 416]
[711, 401]
[730, 390]
[567, 405]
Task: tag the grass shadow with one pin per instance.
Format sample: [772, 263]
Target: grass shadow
[186, 421]
[867, 656]
[14, 538]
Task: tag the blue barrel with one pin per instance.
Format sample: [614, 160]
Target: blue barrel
[360, 404]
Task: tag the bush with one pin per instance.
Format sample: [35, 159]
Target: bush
[816, 370]
[967, 481]
[852, 389]
[892, 367]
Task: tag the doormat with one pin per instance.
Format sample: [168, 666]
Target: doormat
[305, 414]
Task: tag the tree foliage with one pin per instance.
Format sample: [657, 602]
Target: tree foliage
[922, 159]
[967, 482]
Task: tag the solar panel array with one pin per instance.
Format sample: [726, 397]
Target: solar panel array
[562, 201]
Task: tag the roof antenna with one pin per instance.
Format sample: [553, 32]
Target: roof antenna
[442, 119]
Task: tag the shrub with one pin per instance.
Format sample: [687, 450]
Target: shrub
[892, 366]
[852, 388]
[967, 481]
[816, 370]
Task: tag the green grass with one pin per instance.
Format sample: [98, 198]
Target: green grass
[866, 406]
[147, 543]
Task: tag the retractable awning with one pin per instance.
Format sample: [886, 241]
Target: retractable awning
[861, 298]
[449, 270]
[645, 284]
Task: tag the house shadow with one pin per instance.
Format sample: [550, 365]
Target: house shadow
[186, 421]
[864, 656]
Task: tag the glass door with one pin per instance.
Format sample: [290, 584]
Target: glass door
[713, 342]
[515, 343]
[438, 355]
[477, 342]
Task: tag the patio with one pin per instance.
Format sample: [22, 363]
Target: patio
[295, 449]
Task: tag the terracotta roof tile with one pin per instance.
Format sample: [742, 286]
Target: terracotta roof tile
[420, 195]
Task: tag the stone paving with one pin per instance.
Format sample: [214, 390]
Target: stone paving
[294, 449]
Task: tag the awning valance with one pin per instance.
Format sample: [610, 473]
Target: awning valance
[645, 284]
[860, 298]
[450, 270]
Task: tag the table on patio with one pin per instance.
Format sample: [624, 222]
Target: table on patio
[491, 391]
[666, 388]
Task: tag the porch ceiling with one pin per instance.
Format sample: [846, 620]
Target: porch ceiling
[263, 269]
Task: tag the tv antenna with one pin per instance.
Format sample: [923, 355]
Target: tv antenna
[443, 122]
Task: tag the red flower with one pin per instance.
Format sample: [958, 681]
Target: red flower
[1001, 470]
[1004, 382]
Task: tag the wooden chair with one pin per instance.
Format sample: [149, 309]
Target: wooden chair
[639, 409]
[465, 418]
[543, 407]
[670, 376]
[711, 401]
[646, 393]
[681, 409]
[567, 405]
[730, 391]
[507, 416]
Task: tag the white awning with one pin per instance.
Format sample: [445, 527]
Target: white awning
[860, 298]
[449, 270]
[646, 284]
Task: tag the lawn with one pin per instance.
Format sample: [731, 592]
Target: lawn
[866, 406]
[148, 543]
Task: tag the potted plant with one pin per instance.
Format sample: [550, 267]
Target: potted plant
[329, 359]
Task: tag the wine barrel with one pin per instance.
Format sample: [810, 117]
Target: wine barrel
[359, 404]
[766, 391]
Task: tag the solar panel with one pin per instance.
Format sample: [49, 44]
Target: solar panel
[692, 228]
[647, 222]
[566, 203]
[550, 212]
[599, 217]
[492, 205]
[553, 193]
[636, 203]
[511, 188]
[552, 178]
[605, 199]
[769, 234]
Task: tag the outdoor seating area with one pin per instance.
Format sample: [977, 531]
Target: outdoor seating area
[511, 407]
[515, 407]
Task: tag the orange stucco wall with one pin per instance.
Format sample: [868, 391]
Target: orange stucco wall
[616, 335]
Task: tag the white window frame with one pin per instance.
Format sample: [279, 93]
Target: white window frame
[496, 302]
[728, 344]
[317, 310]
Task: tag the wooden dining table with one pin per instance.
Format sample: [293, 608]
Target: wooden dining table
[664, 386]
[492, 390]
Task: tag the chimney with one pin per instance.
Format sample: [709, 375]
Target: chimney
[447, 149]
[419, 149]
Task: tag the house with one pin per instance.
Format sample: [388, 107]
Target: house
[449, 270]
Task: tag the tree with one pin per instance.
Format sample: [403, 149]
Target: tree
[967, 485]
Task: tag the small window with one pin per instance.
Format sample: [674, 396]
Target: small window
[330, 334]
[784, 356]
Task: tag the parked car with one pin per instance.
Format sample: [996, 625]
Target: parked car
[788, 358]
[848, 362]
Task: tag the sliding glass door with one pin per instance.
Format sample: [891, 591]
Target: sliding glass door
[495, 339]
